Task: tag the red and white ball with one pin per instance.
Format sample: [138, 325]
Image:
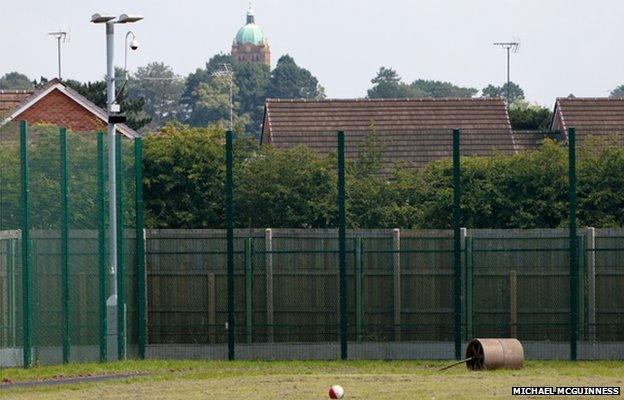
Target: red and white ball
[336, 392]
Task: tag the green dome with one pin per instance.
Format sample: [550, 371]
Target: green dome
[250, 33]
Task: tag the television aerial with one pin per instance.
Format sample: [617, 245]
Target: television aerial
[512, 46]
[62, 36]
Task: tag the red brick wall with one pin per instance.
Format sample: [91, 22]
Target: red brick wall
[58, 109]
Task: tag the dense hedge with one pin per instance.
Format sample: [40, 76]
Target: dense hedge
[185, 170]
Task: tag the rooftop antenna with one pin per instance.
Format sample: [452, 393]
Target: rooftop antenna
[509, 46]
[62, 35]
[227, 71]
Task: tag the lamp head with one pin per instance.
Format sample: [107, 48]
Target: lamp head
[100, 18]
[129, 18]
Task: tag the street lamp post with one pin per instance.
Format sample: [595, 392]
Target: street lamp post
[112, 108]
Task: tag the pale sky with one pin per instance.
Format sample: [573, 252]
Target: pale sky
[567, 46]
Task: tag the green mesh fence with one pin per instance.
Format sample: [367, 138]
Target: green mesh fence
[409, 294]
[187, 291]
[520, 286]
[45, 232]
[53, 301]
[84, 248]
[604, 283]
[129, 245]
[10, 243]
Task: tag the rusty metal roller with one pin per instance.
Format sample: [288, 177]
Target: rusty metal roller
[494, 353]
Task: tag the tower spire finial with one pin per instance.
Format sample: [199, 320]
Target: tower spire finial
[250, 15]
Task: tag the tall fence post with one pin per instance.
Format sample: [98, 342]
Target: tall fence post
[65, 247]
[249, 289]
[121, 292]
[359, 289]
[11, 295]
[396, 271]
[342, 238]
[103, 272]
[456, 245]
[582, 284]
[469, 256]
[513, 304]
[573, 244]
[26, 248]
[140, 246]
[212, 307]
[463, 232]
[590, 248]
[268, 247]
[229, 198]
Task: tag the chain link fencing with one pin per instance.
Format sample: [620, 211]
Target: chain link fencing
[55, 278]
[278, 293]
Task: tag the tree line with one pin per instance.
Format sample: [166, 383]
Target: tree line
[154, 94]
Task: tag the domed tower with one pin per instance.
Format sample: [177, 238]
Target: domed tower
[250, 43]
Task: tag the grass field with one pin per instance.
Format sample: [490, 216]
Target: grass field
[303, 380]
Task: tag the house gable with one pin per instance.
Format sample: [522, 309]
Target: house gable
[58, 109]
[55, 103]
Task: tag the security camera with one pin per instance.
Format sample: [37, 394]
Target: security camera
[134, 44]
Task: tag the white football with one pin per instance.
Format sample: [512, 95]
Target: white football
[336, 392]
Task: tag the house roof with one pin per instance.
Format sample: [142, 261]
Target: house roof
[412, 131]
[9, 99]
[590, 116]
[56, 84]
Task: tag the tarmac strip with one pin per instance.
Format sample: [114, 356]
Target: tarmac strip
[69, 380]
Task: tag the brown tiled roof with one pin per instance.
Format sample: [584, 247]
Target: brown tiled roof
[10, 99]
[530, 140]
[413, 131]
[590, 116]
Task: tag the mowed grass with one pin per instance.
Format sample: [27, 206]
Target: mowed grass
[304, 380]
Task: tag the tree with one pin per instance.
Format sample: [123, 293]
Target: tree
[96, 93]
[493, 92]
[253, 83]
[292, 188]
[161, 90]
[439, 89]
[15, 81]
[600, 179]
[524, 115]
[368, 197]
[189, 95]
[184, 176]
[526, 190]
[289, 81]
[618, 92]
[213, 103]
[252, 80]
[388, 85]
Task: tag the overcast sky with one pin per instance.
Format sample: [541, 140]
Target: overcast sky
[568, 46]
